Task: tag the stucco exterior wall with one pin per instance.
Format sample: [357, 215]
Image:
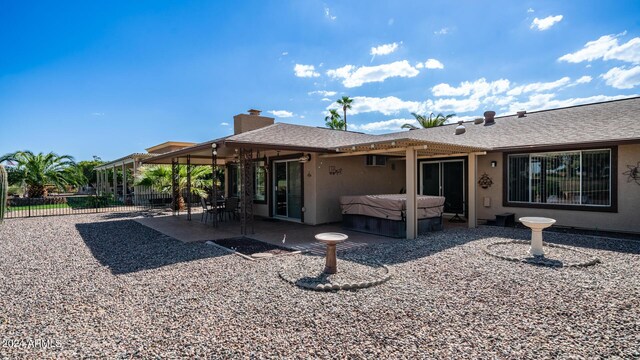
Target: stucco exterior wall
[627, 219]
[352, 178]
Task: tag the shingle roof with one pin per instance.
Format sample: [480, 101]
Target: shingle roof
[617, 120]
[282, 134]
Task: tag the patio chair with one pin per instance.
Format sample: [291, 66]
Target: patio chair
[206, 210]
[230, 207]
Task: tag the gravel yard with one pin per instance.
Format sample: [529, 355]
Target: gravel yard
[105, 286]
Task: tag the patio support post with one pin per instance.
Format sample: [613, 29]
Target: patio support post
[115, 183]
[214, 187]
[189, 187]
[246, 191]
[471, 192]
[412, 189]
[124, 184]
[133, 179]
[174, 198]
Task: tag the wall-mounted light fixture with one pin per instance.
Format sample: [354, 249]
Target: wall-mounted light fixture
[494, 163]
[214, 150]
[304, 158]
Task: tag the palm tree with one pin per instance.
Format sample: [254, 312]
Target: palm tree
[334, 121]
[159, 177]
[427, 122]
[346, 104]
[37, 171]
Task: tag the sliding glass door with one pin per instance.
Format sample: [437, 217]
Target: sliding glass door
[444, 178]
[287, 182]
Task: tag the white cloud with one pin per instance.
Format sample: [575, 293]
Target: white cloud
[387, 106]
[305, 71]
[498, 100]
[548, 101]
[530, 10]
[451, 104]
[539, 86]
[546, 23]
[606, 48]
[433, 64]
[97, 114]
[443, 31]
[584, 79]
[322, 93]
[285, 53]
[326, 99]
[327, 14]
[281, 113]
[357, 76]
[341, 73]
[384, 49]
[476, 89]
[622, 77]
[385, 125]
[224, 123]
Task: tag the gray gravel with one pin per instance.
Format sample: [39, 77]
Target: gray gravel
[105, 286]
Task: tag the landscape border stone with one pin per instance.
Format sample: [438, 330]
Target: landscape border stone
[540, 260]
[355, 285]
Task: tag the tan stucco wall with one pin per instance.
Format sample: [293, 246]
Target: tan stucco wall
[355, 179]
[626, 219]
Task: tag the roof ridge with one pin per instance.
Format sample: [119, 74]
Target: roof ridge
[631, 97]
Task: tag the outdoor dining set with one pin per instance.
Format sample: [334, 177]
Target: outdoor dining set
[224, 208]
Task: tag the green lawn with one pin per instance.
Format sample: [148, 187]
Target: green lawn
[39, 207]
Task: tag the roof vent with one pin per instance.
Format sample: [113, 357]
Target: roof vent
[489, 118]
[521, 113]
[460, 129]
[478, 120]
[254, 112]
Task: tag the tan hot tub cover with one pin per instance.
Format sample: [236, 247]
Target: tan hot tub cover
[391, 206]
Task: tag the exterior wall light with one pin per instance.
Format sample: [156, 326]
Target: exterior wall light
[304, 158]
[494, 163]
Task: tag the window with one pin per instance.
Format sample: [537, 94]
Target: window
[234, 180]
[259, 183]
[575, 178]
[375, 160]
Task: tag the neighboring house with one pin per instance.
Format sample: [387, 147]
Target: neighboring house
[568, 164]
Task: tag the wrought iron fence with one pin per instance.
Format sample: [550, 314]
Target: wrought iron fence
[144, 199]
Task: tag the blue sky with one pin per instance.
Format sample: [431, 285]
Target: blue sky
[110, 78]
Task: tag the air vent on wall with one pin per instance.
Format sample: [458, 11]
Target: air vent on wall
[376, 160]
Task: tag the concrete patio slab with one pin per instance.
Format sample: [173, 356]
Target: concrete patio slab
[296, 236]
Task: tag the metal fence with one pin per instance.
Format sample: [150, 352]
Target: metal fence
[85, 204]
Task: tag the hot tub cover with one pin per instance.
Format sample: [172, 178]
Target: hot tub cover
[390, 206]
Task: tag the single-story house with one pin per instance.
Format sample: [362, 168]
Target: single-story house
[578, 165]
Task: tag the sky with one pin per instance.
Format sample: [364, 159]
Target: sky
[109, 78]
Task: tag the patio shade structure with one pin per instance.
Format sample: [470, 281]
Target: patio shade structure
[244, 150]
[107, 174]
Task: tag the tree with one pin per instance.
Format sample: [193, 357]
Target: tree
[334, 120]
[87, 167]
[346, 104]
[37, 171]
[159, 177]
[428, 122]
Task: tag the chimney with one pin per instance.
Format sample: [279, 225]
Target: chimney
[521, 113]
[253, 120]
[489, 118]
